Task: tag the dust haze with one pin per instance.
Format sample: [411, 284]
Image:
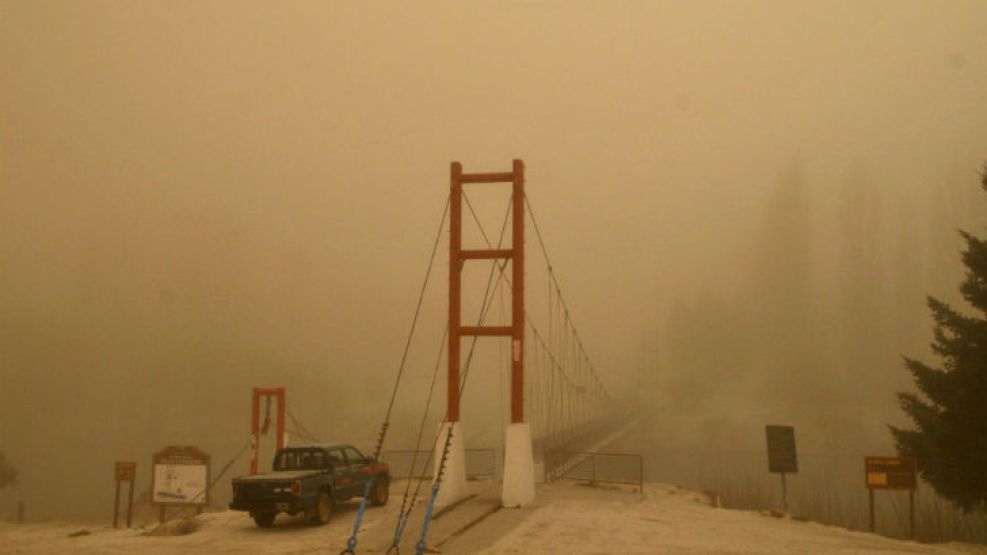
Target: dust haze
[745, 202]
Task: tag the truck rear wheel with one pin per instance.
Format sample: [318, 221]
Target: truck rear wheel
[323, 509]
[382, 490]
[264, 519]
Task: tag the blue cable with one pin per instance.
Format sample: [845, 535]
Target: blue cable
[420, 546]
[351, 543]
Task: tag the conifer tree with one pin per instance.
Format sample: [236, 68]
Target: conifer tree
[950, 439]
[8, 475]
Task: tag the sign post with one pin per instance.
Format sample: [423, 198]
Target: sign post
[124, 472]
[180, 478]
[782, 458]
[897, 473]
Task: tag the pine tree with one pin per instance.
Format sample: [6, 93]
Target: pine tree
[950, 439]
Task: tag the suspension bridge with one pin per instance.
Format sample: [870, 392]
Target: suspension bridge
[558, 401]
[559, 405]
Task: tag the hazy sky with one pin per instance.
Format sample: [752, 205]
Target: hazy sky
[197, 198]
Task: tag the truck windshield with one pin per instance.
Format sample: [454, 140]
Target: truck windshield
[300, 459]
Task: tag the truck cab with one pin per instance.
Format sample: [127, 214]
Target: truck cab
[310, 480]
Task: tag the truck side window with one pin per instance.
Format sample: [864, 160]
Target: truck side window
[336, 457]
[354, 456]
[318, 460]
[286, 460]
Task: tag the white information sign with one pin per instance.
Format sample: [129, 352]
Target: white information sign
[180, 484]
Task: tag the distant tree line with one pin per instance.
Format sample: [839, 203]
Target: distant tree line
[814, 321]
[813, 326]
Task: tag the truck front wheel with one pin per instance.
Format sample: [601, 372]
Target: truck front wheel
[264, 519]
[323, 509]
[382, 490]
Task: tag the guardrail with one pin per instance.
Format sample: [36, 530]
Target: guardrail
[480, 463]
[579, 438]
[593, 467]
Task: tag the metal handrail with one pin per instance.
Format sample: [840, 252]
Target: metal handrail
[387, 456]
[572, 459]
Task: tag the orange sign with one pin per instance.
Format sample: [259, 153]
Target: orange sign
[889, 473]
[125, 471]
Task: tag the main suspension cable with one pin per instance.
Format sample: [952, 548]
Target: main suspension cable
[421, 429]
[352, 542]
[561, 362]
[301, 429]
[407, 505]
[411, 332]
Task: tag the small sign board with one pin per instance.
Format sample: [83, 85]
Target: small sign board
[781, 449]
[890, 473]
[180, 476]
[125, 471]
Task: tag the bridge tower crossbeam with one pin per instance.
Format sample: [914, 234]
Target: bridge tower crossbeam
[518, 487]
[458, 255]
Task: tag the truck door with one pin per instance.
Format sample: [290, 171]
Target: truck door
[359, 469]
[342, 476]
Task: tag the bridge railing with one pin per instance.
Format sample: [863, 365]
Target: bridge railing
[593, 467]
[481, 464]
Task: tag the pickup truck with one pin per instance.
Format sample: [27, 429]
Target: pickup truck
[310, 480]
